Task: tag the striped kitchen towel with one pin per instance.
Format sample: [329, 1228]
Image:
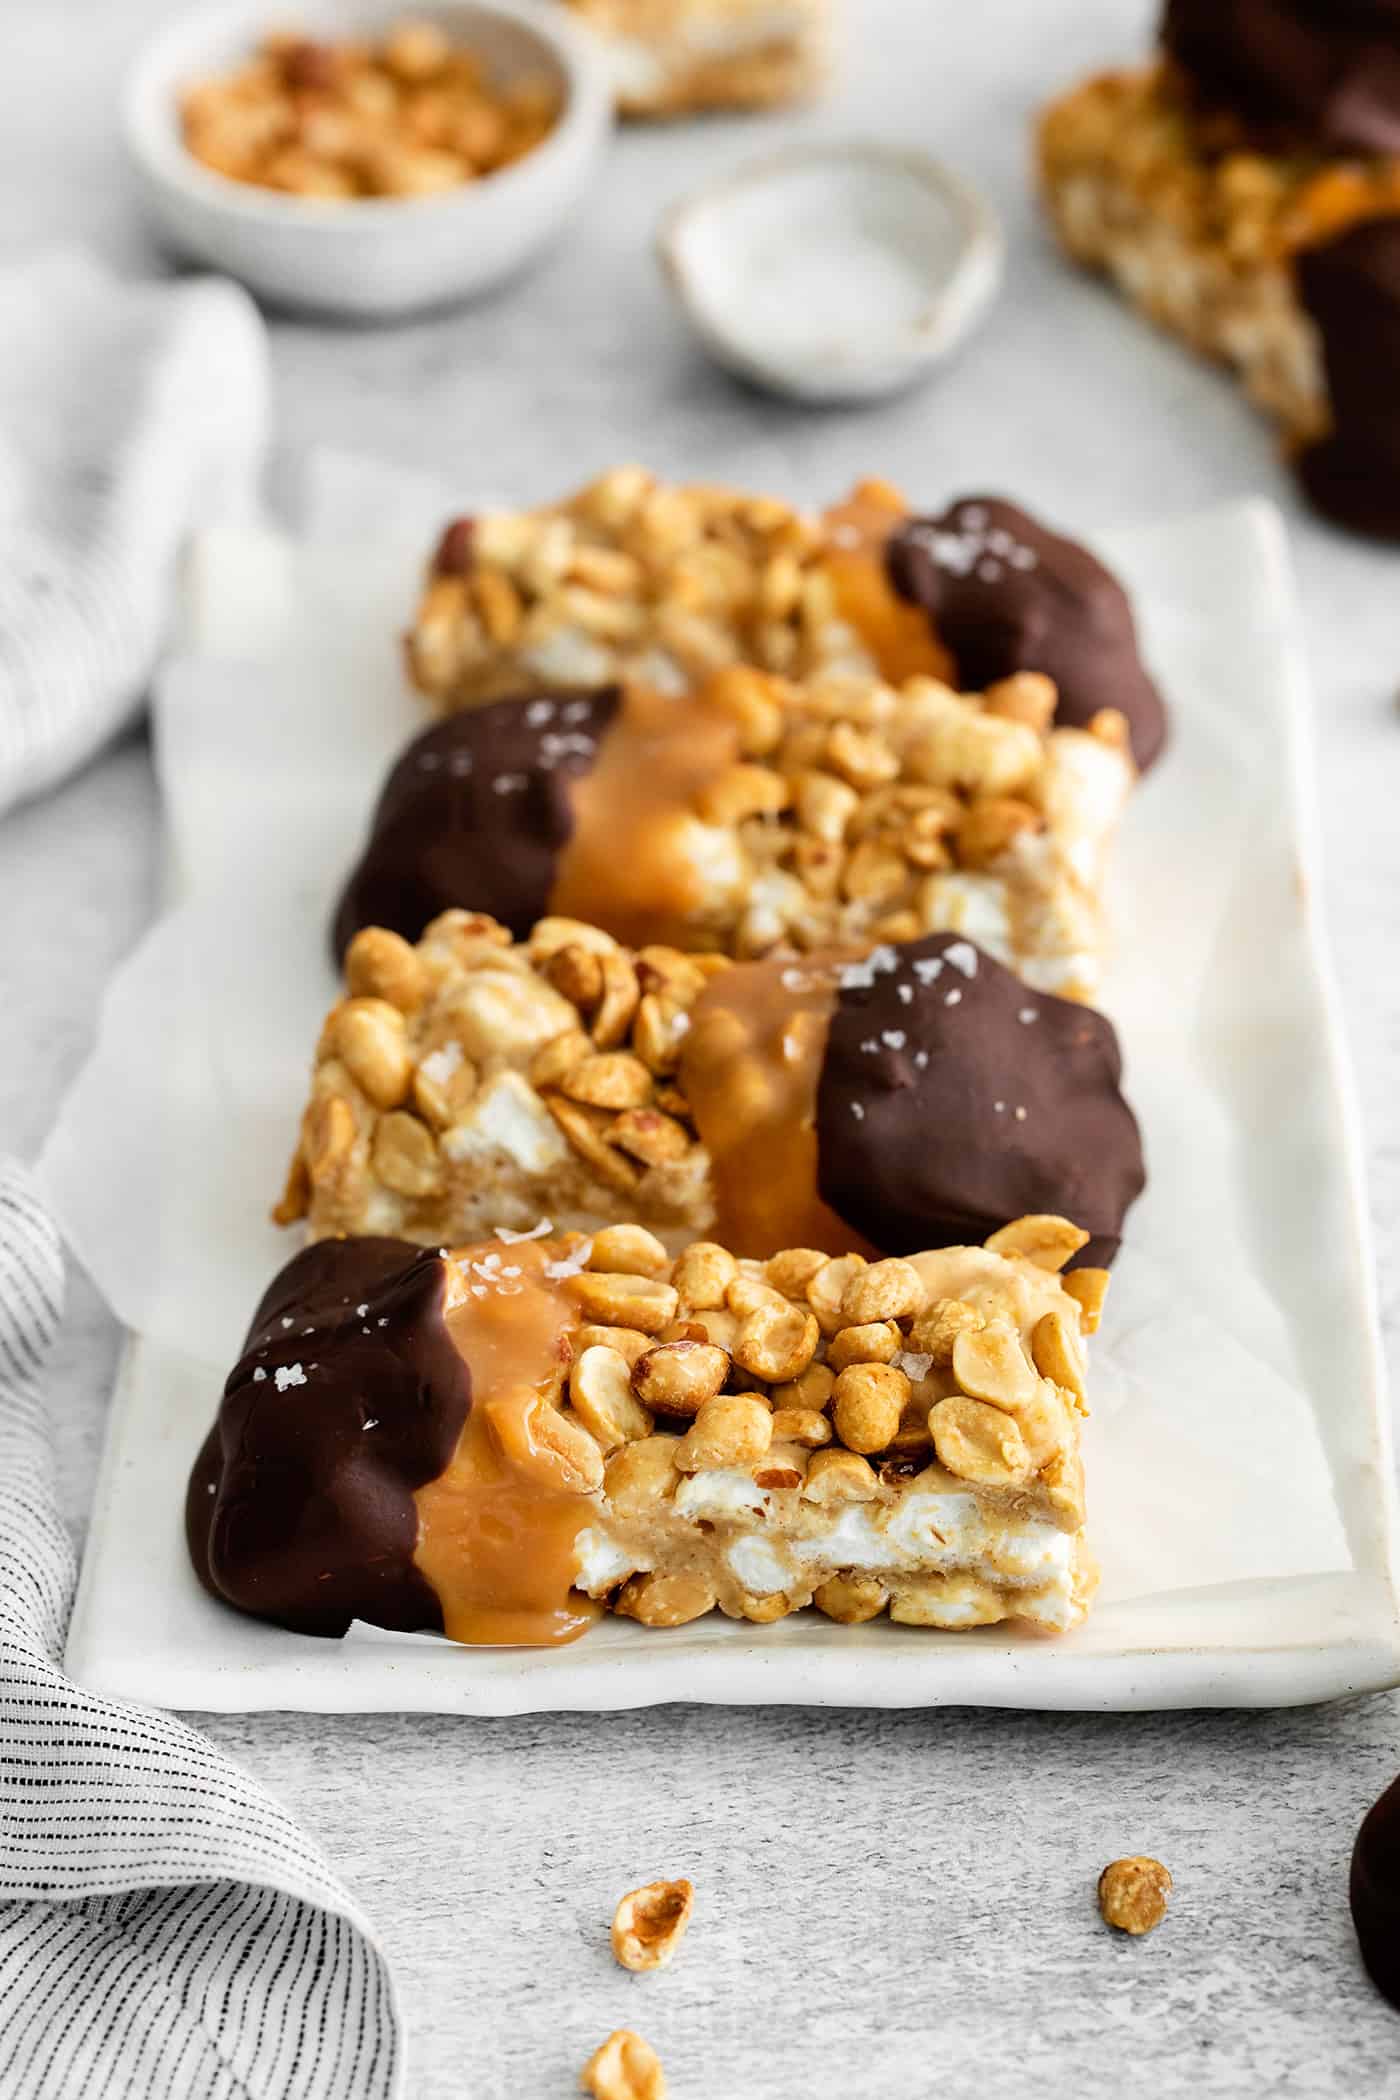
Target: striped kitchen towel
[129, 412]
[166, 1932]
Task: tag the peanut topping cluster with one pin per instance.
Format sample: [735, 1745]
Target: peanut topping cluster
[629, 579]
[869, 813]
[470, 1082]
[408, 115]
[814, 1386]
[866, 1358]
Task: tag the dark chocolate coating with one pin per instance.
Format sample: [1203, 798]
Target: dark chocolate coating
[476, 813]
[300, 1506]
[1375, 1893]
[932, 1161]
[1351, 288]
[1005, 594]
[1321, 74]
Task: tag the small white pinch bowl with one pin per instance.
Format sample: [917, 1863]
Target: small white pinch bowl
[373, 257]
[834, 273]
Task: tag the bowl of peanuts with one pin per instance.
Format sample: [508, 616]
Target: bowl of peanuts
[357, 161]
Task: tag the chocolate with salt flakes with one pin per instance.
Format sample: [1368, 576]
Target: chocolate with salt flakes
[952, 1099]
[476, 812]
[1005, 594]
[350, 1394]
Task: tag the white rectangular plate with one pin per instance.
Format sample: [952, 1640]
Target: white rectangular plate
[1239, 1459]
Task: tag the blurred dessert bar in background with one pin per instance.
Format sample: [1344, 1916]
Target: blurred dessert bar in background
[672, 58]
[499, 1440]
[1244, 191]
[913, 1098]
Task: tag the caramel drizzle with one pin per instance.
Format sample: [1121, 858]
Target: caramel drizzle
[498, 1529]
[625, 867]
[898, 635]
[750, 1067]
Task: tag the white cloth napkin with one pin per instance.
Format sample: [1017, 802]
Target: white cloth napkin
[128, 414]
[165, 1928]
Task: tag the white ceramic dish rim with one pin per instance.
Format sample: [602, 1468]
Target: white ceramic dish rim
[1262, 1643]
[968, 290]
[153, 140]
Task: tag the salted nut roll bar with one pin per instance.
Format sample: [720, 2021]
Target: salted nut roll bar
[1244, 191]
[499, 1440]
[762, 816]
[913, 1097]
[636, 581]
[672, 58]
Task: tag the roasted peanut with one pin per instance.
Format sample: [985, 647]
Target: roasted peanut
[812, 1389]
[369, 1040]
[640, 1475]
[879, 1342]
[978, 1442]
[827, 1289]
[1133, 1894]
[1049, 1242]
[867, 1404]
[836, 1476]
[1089, 1287]
[608, 1079]
[791, 1271]
[406, 1159]
[665, 1600]
[883, 1290]
[382, 965]
[631, 1248]
[600, 1388]
[677, 1378]
[990, 1364]
[626, 2067]
[1026, 696]
[935, 1330]
[703, 1273]
[735, 1429]
[990, 828]
[1059, 1354]
[629, 1342]
[800, 1425]
[851, 1599]
[650, 1923]
[776, 1344]
[557, 1058]
[625, 1300]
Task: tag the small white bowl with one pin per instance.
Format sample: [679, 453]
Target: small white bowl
[834, 272]
[374, 256]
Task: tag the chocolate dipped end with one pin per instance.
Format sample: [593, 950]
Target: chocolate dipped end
[1005, 594]
[350, 1394]
[1323, 75]
[952, 1099]
[1375, 1893]
[476, 813]
[1351, 289]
